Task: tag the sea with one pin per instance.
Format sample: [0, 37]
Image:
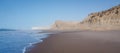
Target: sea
[19, 41]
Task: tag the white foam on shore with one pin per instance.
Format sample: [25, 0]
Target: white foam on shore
[30, 45]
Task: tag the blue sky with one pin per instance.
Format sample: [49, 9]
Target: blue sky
[25, 14]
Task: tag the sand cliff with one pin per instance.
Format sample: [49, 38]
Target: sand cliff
[110, 16]
[104, 20]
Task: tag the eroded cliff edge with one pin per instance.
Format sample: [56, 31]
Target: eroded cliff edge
[104, 20]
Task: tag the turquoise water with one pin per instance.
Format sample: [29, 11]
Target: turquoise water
[18, 41]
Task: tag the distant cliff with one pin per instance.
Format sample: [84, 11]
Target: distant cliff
[61, 25]
[104, 20]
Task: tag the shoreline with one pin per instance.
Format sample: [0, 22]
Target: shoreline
[80, 42]
[31, 45]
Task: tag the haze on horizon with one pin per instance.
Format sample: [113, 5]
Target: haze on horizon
[25, 14]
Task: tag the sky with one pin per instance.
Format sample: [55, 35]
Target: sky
[25, 14]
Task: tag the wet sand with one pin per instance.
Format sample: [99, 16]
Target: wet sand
[80, 42]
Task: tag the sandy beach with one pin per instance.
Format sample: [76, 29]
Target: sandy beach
[80, 42]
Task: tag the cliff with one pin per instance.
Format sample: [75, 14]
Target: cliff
[104, 20]
[68, 25]
[109, 17]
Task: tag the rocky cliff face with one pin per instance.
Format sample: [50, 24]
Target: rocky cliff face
[105, 20]
[107, 17]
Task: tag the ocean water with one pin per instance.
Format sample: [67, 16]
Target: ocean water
[18, 41]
